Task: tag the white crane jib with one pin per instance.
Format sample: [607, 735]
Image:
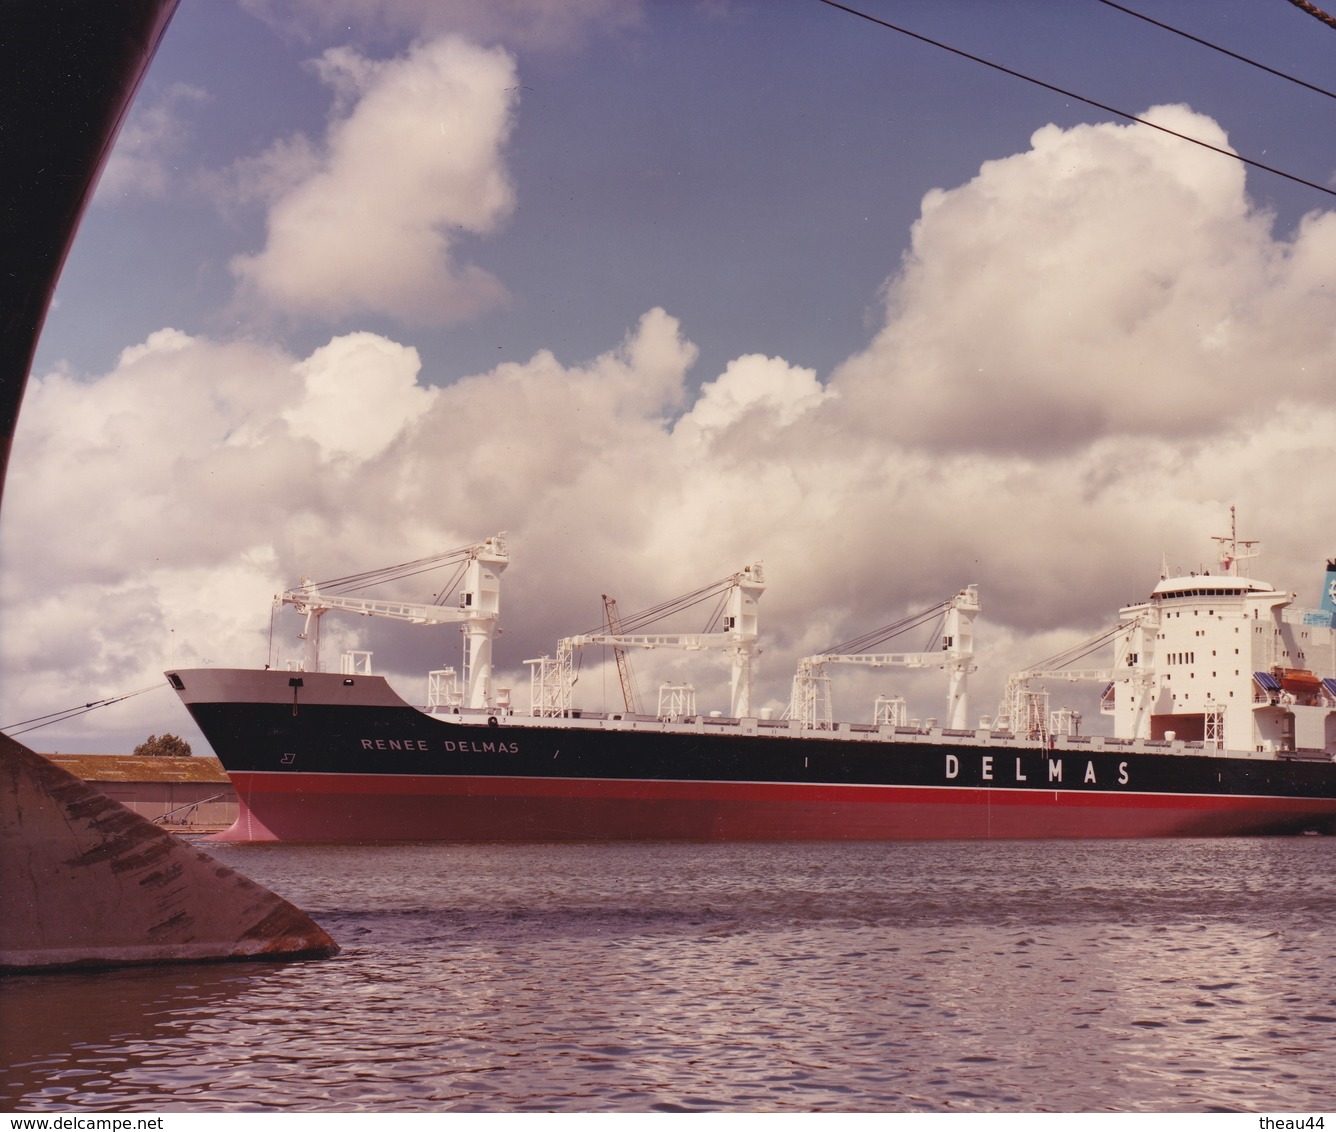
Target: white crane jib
[1025, 711]
[479, 611]
[554, 681]
[811, 704]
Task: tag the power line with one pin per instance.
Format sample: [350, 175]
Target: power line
[26, 725]
[1222, 50]
[1079, 97]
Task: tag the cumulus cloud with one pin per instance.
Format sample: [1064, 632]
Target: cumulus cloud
[751, 388]
[1094, 348]
[370, 221]
[361, 391]
[1109, 281]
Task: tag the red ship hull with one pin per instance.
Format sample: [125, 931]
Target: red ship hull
[374, 807]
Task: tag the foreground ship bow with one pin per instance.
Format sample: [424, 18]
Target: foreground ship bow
[1217, 735]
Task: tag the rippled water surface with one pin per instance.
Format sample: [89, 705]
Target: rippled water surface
[1192, 976]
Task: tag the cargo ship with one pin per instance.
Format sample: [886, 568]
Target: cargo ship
[1221, 693]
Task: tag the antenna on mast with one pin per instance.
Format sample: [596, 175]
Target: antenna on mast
[1232, 548]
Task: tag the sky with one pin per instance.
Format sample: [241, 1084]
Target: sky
[662, 289]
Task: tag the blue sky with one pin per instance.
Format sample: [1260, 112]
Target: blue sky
[755, 168]
[661, 289]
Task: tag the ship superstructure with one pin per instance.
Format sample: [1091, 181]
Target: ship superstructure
[1229, 662]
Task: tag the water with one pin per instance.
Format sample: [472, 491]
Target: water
[1141, 976]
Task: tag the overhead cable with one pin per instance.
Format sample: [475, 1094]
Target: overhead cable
[26, 725]
[1079, 97]
[1222, 50]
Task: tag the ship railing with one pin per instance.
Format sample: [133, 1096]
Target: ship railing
[1306, 754]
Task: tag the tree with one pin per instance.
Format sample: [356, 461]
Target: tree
[164, 746]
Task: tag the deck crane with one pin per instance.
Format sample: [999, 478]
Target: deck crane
[624, 673]
[810, 704]
[553, 679]
[1024, 711]
[478, 609]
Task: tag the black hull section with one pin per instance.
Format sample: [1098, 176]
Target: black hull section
[381, 741]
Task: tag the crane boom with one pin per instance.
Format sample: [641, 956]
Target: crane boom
[479, 610]
[309, 597]
[554, 680]
[810, 702]
[619, 654]
[1025, 710]
[880, 660]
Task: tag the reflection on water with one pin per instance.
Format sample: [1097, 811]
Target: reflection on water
[632, 977]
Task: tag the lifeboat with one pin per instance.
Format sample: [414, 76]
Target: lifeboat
[1299, 681]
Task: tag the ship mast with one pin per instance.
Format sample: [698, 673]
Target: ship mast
[1232, 548]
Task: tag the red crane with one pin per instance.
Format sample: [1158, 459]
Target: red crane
[623, 662]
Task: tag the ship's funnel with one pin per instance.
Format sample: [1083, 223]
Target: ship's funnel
[1329, 590]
